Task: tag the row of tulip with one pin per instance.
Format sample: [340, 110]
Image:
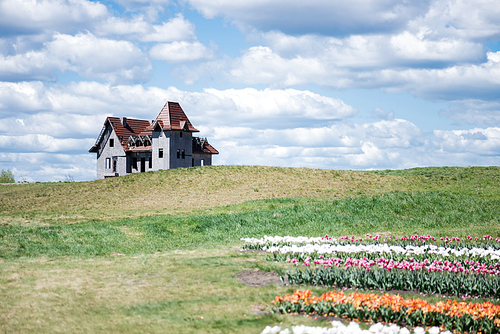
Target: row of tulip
[468, 267]
[484, 241]
[287, 240]
[299, 258]
[383, 249]
[353, 328]
[429, 282]
[447, 315]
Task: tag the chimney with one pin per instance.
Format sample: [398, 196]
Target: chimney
[124, 121]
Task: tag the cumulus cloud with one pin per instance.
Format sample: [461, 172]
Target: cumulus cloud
[57, 125]
[397, 133]
[378, 145]
[470, 81]
[41, 142]
[260, 65]
[22, 97]
[180, 51]
[335, 18]
[442, 19]
[375, 50]
[84, 54]
[138, 28]
[32, 16]
[83, 98]
[271, 108]
[49, 166]
[476, 112]
[467, 20]
[483, 141]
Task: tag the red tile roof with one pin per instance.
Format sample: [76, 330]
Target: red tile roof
[207, 148]
[201, 145]
[132, 127]
[172, 117]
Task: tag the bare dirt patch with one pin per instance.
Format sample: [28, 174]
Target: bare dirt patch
[258, 309]
[257, 277]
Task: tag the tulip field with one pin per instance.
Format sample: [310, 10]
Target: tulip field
[442, 266]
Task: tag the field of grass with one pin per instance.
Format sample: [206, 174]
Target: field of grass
[159, 252]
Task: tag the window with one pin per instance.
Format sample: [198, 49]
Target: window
[180, 134]
[150, 162]
[108, 163]
[178, 153]
[114, 164]
[160, 153]
[134, 163]
[111, 142]
[183, 154]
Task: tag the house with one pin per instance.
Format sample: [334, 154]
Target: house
[126, 145]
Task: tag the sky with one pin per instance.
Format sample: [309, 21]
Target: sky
[357, 85]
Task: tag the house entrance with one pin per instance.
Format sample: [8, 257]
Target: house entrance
[143, 165]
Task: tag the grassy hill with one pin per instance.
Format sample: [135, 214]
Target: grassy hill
[185, 191]
[157, 252]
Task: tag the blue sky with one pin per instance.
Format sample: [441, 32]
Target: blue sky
[363, 84]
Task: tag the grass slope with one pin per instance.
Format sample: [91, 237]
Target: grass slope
[182, 191]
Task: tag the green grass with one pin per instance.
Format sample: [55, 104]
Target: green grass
[399, 213]
[118, 258]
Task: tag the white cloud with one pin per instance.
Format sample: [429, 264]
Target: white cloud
[176, 29]
[22, 97]
[374, 50]
[42, 143]
[393, 134]
[180, 51]
[260, 65]
[84, 54]
[478, 112]
[476, 21]
[271, 106]
[82, 98]
[475, 141]
[418, 47]
[49, 166]
[56, 125]
[468, 20]
[315, 16]
[468, 81]
[33, 16]
[359, 147]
